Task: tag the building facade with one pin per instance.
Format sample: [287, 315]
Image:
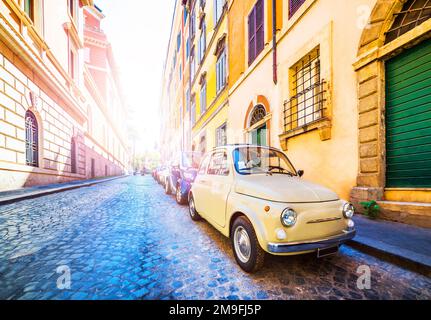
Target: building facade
[176, 119]
[61, 110]
[341, 86]
[194, 101]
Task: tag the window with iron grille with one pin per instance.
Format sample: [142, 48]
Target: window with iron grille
[31, 140]
[413, 13]
[221, 71]
[256, 31]
[294, 6]
[221, 136]
[307, 102]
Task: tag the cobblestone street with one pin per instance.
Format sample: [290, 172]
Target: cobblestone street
[125, 239]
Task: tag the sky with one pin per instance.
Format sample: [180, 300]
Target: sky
[139, 33]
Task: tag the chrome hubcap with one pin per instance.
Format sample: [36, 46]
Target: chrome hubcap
[242, 244]
[192, 207]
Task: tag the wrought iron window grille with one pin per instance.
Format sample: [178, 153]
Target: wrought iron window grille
[413, 13]
[307, 105]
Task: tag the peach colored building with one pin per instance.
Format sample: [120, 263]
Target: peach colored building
[344, 88]
[62, 116]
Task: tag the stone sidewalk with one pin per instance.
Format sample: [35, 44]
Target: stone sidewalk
[7, 197]
[399, 243]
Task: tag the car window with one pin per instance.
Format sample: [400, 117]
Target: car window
[204, 165]
[260, 160]
[218, 164]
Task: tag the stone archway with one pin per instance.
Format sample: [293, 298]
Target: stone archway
[370, 70]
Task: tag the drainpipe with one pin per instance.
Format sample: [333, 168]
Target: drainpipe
[274, 41]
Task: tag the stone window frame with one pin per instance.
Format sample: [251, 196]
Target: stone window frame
[323, 40]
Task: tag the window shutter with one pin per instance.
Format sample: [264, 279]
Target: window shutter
[260, 41]
[251, 36]
[294, 5]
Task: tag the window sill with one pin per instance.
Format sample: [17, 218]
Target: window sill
[322, 125]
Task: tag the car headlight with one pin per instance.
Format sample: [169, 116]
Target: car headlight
[348, 210]
[288, 217]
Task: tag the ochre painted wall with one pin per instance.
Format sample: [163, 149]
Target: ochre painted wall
[334, 27]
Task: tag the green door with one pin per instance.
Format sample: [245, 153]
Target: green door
[408, 118]
[259, 136]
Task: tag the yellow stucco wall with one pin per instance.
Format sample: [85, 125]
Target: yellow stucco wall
[210, 128]
[207, 122]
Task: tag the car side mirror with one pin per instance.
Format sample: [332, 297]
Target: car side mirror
[300, 173]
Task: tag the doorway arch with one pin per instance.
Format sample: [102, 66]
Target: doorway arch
[374, 52]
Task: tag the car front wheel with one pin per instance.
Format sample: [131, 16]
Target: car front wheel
[192, 210]
[179, 195]
[248, 253]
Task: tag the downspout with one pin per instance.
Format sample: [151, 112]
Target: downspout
[274, 41]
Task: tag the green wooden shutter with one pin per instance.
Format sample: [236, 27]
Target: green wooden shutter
[408, 118]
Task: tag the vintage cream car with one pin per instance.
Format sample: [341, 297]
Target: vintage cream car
[255, 196]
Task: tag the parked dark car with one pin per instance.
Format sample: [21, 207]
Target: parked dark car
[160, 174]
[182, 173]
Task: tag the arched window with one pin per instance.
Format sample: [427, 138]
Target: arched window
[258, 114]
[31, 140]
[413, 13]
[259, 134]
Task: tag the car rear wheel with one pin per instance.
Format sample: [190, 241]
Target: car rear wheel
[167, 186]
[179, 195]
[192, 210]
[246, 248]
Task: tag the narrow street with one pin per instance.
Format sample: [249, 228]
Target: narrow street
[125, 239]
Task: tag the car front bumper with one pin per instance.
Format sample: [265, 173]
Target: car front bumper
[305, 246]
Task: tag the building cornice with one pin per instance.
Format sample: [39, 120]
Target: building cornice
[96, 42]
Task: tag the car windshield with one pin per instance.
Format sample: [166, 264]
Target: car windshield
[191, 159]
[258, 160]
